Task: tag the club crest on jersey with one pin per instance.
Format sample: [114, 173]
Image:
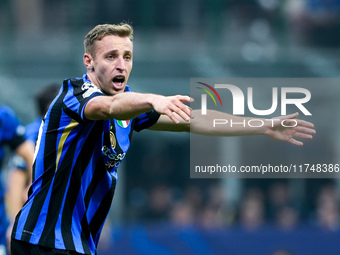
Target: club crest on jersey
[113, 140]
[123, 123]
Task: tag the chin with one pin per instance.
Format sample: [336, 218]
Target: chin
[115, 92]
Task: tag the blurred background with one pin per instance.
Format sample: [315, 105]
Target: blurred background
[157, 208]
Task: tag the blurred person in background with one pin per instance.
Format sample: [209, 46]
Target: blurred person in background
[252, 210]
[12, 136]
[18, 165]
[314, 22]
[43, 99]
[85, 137]
[280, 201]
[182, 215]
[327, 209]
[160, 200]
[252, 214]
[211, 218]
[328, 217]
[287, 218]
[194, 197]
[216, 212]
[279, 197]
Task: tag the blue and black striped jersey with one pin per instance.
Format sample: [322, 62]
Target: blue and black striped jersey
[75, 171]
[11, 135]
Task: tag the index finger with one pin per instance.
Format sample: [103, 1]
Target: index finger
[305, 123]
[185, 99]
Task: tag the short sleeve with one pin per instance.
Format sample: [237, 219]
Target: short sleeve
[145, 120]
[78, 94]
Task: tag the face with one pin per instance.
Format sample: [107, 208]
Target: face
[110, 68]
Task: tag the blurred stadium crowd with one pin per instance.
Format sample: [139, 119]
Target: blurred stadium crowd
[210, 209]
[41, 42]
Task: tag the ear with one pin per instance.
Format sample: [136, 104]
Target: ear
[88, 61]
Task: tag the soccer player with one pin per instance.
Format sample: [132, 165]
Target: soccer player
[18, 175]
[86, 135]
[12, 137]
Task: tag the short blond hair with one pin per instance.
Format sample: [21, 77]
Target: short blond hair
[100, 31]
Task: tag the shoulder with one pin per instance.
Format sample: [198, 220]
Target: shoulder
[80, 88]
[10, 124]
[89, 88]
[73, 82]
[6, 110]
[8, 115]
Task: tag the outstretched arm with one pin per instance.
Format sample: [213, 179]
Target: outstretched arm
[175, 116]
[284, 128]
[300, 129]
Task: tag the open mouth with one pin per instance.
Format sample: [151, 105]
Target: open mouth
[119, 79]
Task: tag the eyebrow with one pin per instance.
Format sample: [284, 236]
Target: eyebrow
[115, 51]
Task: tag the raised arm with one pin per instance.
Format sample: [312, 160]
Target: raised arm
[128, 105]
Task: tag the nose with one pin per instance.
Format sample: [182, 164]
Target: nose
[120, 64]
